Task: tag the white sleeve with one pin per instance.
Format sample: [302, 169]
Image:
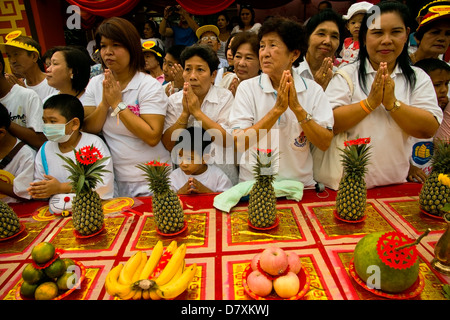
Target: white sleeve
[223, 182]
[34, 112]
[338, 92]
[173, 111]
[152, 98]
[242, 113]
[24, 172]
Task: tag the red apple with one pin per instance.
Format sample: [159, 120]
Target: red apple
[287, 286]
[295, 264]
[255, 260]
[259, 284]
[273, 260]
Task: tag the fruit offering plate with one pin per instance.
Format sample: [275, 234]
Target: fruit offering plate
[22, 228]
[336, 215]
[303, 276]
[65, 293]
[415, 290]
[431, 215]
[80, 236]
[172, 234]
[275, 224]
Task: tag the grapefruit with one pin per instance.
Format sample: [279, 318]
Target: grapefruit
[43, 252]
[391, 279]
[32, 275]
[56, 269]
[46, 291]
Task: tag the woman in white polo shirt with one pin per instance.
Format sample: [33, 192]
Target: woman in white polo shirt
[391, 100]
[127, 106]
[282, 110]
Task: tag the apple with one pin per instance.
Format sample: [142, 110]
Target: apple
[254, 263]
[274, 261]
[295, 264]
[259, 283]
[287, 286]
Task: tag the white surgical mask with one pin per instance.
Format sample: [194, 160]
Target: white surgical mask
[56, 132]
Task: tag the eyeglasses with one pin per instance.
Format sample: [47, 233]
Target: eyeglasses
[212, 38]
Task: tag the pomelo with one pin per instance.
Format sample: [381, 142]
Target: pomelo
[391, 280]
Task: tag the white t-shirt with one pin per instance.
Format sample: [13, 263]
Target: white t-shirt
[391, 149]
[56, 165]
[216, 106]
[256, 97]
[21, 168]
[143, 95]
[25, 107]
[304, 70]
[254, 29]
[213, 178]
[43, 89]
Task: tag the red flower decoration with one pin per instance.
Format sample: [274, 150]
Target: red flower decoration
[264, 150]
[157, 164]
[398, 259]
[88, 155]
[357, 142]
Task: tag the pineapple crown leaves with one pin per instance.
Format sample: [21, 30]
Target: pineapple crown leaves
[265, 163]
[87, 171]
[440, 161]
[355, 156]
[157, 174]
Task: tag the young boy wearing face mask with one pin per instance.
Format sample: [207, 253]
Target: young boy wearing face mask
[63, 117]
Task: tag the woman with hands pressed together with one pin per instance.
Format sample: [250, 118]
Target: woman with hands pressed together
[391, 100]
[280, 110]
[126, 105]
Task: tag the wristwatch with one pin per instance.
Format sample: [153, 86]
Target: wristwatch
[397, 105]
[308, 117]
[120, 107]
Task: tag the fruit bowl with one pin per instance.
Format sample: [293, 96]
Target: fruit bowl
[412, 292]
[18, 296]
[303, 276]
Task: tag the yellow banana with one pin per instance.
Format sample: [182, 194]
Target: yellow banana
[172, 267]
[115, 288]
[137, 295]
[154, 295]
[172, 247]
[152, 262]
[175, 288]
[128, 296]
[146, 294]
[137, 273]
[126, 275]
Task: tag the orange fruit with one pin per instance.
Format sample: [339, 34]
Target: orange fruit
[43, 252]
[68, 262]
[32, 275]
[46, 291]
[66, 281]
[56, 269]
[27, 289]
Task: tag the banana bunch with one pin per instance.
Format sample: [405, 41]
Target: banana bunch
[156, 277]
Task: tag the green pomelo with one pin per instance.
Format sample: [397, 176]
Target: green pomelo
[390, 279]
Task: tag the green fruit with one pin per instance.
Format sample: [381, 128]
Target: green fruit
[68, 262]
[27, 289]
[56, 269]
[32, 275]
[391, 280]
[46, 291]
[43, 252]
[66, 281]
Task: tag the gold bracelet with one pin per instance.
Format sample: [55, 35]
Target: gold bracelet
[181, 123]
[368, 105]
[364, 107]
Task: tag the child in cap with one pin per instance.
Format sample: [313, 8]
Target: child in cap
[194, 174]
[355, 14]
[16, 163]
[422, 149]
[63, 118]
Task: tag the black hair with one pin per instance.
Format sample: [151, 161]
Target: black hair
[67, 105]
[403, 59]
[291, 32]
[252, 11]
[80, 63]
[227, 18]
[203, 51]
[158, 58]
[431, 64]
[322, 16]
[5, 119]
[194, 139]
[2, 63]
[175, 51]
[327, 3]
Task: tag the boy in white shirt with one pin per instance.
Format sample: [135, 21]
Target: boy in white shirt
[194, 174]
[16, 163]
[63, 117]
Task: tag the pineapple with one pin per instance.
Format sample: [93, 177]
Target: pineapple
[9, 222]
[85, 174]
[262, 203]
[167, 209]
[435, 194]
[352, 192]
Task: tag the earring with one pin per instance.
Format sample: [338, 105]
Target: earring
[71, 76]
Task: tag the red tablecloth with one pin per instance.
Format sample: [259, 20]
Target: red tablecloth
[222, 244]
